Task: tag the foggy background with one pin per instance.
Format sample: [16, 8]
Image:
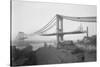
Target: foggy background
[29, 17]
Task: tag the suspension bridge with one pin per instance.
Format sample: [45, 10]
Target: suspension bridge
[58, 21]
[47, 55]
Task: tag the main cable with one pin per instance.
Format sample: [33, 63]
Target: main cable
[46, 26]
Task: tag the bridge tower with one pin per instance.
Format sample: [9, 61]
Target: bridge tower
[59, 30]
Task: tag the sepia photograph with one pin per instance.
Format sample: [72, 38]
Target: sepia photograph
[44, 33]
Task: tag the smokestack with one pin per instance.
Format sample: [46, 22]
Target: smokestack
[87, 31]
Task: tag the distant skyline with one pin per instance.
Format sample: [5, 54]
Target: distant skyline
[30, 16]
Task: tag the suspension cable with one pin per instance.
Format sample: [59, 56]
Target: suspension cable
[46, 26]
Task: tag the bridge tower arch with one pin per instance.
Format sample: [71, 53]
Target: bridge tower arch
[59, 29]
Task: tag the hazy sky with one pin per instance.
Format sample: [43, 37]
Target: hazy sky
[30, 16]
